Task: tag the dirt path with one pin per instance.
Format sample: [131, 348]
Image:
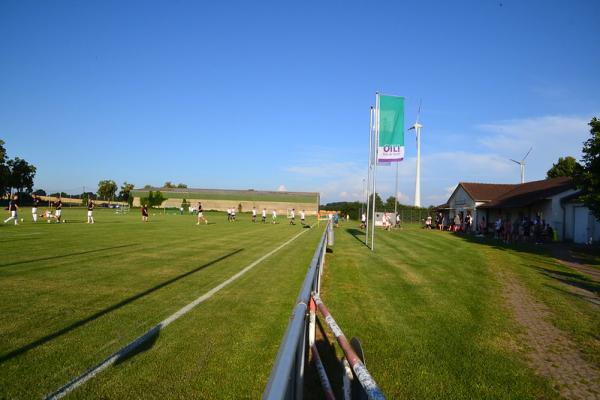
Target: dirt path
[552, 355]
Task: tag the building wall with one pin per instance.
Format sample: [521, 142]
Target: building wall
[460, 201]
[223, 205]
[549, 209]
[592, 228]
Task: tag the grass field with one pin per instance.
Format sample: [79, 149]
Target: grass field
[432, 313]
[73, 293]
[431, 308]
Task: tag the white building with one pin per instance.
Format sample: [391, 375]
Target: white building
[554, 200]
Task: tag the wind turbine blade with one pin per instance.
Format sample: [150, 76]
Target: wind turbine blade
[411, 128]
[531, 148]
[515, 161]
[419, 112]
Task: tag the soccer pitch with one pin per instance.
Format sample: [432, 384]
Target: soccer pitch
[73, 293]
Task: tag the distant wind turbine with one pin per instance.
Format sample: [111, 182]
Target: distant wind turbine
[522, 165]
[417, 127]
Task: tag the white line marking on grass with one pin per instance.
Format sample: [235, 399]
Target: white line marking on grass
[124, 351]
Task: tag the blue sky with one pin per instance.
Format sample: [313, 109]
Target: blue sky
[271, 95]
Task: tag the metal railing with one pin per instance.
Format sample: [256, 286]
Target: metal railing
[287, 376]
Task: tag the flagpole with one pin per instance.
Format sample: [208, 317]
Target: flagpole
[367, 225]
[376, 148]
[396, 195]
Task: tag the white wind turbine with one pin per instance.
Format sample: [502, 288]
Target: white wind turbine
[417, 127]
[522, 165]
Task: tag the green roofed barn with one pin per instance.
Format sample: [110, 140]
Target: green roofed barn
[221, 200]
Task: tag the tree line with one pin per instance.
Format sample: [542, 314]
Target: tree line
[15, 174]
[354, 208]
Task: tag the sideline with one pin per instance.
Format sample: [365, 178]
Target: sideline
[152, 332]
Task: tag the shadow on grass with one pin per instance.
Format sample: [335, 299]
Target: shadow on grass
[572, 279]
[116, 306]
[357, 234]
[582, 295]
[17, 239]
[562, 252]
[142, 344]
[66, 255]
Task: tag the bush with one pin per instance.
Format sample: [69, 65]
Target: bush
[154, 199]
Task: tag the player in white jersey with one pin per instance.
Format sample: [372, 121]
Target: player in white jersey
[293, 217]
[274, 217]
[264, 216]
[36, 202]
[302, 216]
[253, 214]
[363, 221]
[232, 214]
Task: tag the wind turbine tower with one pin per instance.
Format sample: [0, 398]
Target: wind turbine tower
[522, 165]
[417, 127]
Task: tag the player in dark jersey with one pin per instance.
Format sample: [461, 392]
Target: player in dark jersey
[145, 213]
[201, 215]
[36, 202]
[13, 208]
[58, 213]
[90, 214]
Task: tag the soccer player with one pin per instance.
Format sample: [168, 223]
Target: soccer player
[201, 215]
[253, 214]
[13, 208]
[58, 212]
[302, 216]
[293, 217]
[232, 214]
[36, 201]
[274, 217]
[363, 221]
[90, 215]
[145, 213]
[264, 216]
[228, 214]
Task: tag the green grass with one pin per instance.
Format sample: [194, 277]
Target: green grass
[73, 293]
[426, 305]
[428, 308]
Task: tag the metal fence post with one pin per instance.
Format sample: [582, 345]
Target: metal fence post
[330, 238]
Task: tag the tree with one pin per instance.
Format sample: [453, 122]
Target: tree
[181, 186]
[154, 199]
[168, 185]
[125, 194]
[4, 171]
[147, 186]
[21, 175]
[588, 179]
[567, 166]
[390, 203]
[40, 192]
[107, 189]
[379, 206]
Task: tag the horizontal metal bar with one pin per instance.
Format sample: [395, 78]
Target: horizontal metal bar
[361, 372]
[322, 373]
[280, 377]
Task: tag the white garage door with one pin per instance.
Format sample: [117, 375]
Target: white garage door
[580, 234]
